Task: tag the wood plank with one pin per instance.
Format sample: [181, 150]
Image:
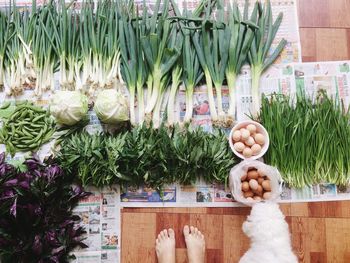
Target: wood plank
[338, 240]
[331, 44]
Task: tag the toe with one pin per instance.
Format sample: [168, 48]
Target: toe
[186, 231]
[165, 233]
[171, 233]
[192, 229]
[196, 231]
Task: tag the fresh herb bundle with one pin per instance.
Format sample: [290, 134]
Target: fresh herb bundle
[309, 139]
[147, 156]
[36, 221]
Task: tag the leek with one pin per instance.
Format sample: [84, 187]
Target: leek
[259, 57]
[159, 56]
[241, 37]
[211, 47]
[192, 72]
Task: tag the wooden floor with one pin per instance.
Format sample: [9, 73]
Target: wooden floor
[320, 231]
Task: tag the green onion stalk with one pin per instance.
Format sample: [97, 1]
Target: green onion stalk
[259, 57]
[175, 83]
[176, 41]
[192, 75]
[44, 50]
[19, 60]
[133, 67]
[142, 70]
[67, 45]
[192, 72]
[241, 37]
[205, 41]
[156, 117]
[159, 56]
[129, 62]
[4, 28]
[100, 66]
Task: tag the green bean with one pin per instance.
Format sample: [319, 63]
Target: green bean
[5, 105]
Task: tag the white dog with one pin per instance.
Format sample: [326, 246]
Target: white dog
[269, 235]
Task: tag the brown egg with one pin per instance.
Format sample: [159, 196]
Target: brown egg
[261, 173]
[257, 198]
[250, 142]
[259, 138]
[245, 134]
[267, 195]
[256, 149]
[236, 136]
[251, 128]
[243, 177]
[266, 185]
[253, 184]
[245, 186]
[239, 146]
[253, 174]
[248, 194]
[260, 180]
[258, 190]
[247, 152]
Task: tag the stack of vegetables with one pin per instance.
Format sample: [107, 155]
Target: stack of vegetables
[144, 155]
[107, 44]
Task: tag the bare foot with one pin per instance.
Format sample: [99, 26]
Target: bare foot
[195, 245]
[165, 246]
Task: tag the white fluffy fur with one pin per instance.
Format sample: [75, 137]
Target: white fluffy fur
[269, 235]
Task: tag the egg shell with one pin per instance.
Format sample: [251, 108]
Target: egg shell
[267, 195]
[245, 186]
[251, 128]
[248, 194]
[239, 146]
[266, 185]
[250, 142]
[259, 138]
[256, 148]
[258, 191]
[260, 180]
[257, 198]
[236, 136]
[250, 199]
[245, 134]
[243, 177]
[253, 184]
[247, 152]
[253, 174]
[261, 172]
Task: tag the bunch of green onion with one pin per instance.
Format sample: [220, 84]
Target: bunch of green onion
[310, 138]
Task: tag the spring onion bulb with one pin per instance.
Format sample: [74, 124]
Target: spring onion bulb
[176, 80]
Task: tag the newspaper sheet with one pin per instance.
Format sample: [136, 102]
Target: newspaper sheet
[100, 216]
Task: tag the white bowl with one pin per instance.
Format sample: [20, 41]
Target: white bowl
[259, 129]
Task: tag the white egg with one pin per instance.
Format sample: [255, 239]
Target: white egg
[259, 138]
[251, 128]
[250, 141]
[253, 184]
[256, 148]
[236, 136]
[245, 134]
[247, 152]
[239, 146]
